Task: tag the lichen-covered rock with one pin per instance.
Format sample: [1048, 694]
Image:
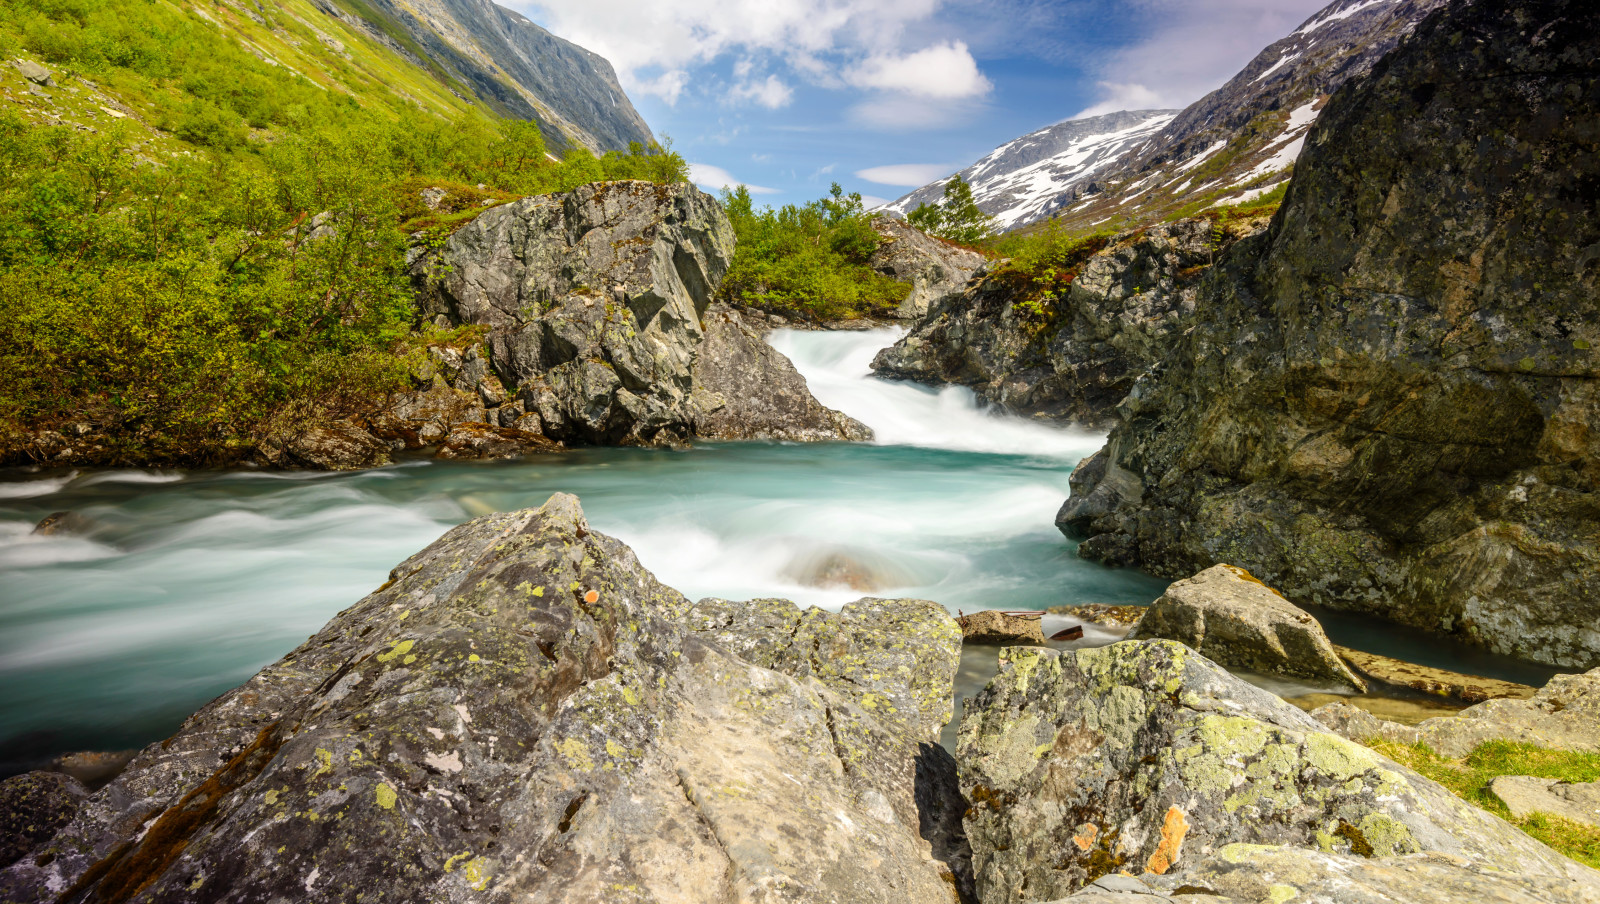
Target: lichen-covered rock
[596, 302]
[935, 269]
[999, 628]
[1071, 358]
[1235, 620]
[1563, 715]
[1144, 757]
[1392, 404]
[521, 713]
[33, 807]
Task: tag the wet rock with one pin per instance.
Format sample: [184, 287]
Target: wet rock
[1454, 686]
[481, 441]
[844, 569]
[338, 446]
[33, 807]
[521, 711]
[1392, 402]
[1563, 715]
[1110, 616]
[745, 388]
[1525, 795]
[94, 768]
[1144, 757]
[63, 523]
[1000, 628]
[1070, 357]
[597, 304]
[934, 268]
[1235, 620]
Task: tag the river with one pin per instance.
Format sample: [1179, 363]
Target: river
[185, 584]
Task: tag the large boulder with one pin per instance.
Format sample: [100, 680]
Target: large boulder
[1563, 715]
[1235, 620]
[522, 712]
[1144, 757]
[935, 269]
[1392, 404]
[595, 303]
[1075, 355]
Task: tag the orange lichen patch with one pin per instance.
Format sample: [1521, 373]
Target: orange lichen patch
[1247, 576]
[592, 596]
[1086, 836]
[1173, 828]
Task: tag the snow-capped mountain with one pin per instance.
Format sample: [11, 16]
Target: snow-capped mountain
[1019, 181]
[1236, 143]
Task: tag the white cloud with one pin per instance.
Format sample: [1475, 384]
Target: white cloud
[1116, 97]
[715, 178]
[771, 93]
[873, 202]
[909, 175]
[903, 113]
[945, 71]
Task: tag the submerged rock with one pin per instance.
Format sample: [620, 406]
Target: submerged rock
[993, 627]
[1146, 758]
[1235, 620]
[1392, 403]
[523, 711]
[33, 807]
[63, 523]
[1563, 715]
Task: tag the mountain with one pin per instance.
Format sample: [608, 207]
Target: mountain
[1021, 180]
[509, 64]
[1233, 145]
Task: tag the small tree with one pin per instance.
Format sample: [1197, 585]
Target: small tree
[957, 217]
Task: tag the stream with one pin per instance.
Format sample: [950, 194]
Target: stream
[183, 585]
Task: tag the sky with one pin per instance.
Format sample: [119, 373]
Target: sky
[883, 96]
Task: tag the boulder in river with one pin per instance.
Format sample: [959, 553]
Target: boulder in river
[994, 627]
[1235, 620]
[1453, 686]
[523, 712]
[1144, 757]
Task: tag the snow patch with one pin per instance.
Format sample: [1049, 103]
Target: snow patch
[1337, 15]
[1282, 62]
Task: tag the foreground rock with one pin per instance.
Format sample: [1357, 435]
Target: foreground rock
[596, 305]
[1104, 614]
[1072, 357]
[1235, 620]
[1392, 404]
[33, 807]
[996, 628]
[1563, 715]
[522, 712]
[1525, 795]
[935, 269]
[1146, 758]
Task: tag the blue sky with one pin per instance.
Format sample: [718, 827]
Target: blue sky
[789, 95]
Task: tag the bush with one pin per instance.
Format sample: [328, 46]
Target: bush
[956, 218]
[808, 261]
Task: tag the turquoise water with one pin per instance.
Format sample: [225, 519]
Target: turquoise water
[186, 584]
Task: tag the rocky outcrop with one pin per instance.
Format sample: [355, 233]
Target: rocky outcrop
[33, 807]
[935, 269]
[1525, 795]
[1563, 715]
[995, 628]
[596, 308]
[1235, 620]
[523, 711]
[1146, 758]
[1390, 405]
[1074, 356]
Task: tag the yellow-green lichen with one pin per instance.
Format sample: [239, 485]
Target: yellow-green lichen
[400, 648]
[576, 753]
[386, 796]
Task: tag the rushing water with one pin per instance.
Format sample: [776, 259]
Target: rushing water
[186, 584]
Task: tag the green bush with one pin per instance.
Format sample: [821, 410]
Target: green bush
[956, 218]
[808, 261]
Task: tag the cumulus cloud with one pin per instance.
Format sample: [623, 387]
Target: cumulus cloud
[908, 175]
[715, 178]
[1115, 97]
[873, 202]
[771, 92]
[946, 71]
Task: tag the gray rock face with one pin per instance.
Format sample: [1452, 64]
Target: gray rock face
[1390, 405]
[1075, 356]
[33, 807]
[522, 711]
[934, 269]
[1525, 795]
[1147, 758]
[596, 302]
[1235, 620]
[1563, 715]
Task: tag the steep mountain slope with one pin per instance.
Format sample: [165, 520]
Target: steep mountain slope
[1235, 144]
[1023, 180]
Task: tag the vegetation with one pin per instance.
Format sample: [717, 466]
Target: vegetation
[808, 261]
[956, 217]
[228, 263]
[1469, 779]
